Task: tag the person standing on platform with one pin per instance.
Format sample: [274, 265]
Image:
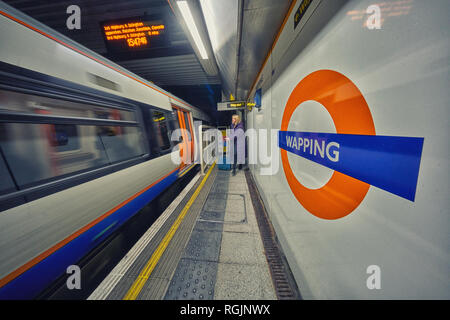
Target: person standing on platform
[238, 141]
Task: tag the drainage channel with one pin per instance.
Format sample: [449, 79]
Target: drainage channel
[283, 281]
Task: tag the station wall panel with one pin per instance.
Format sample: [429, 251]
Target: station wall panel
[402, 72]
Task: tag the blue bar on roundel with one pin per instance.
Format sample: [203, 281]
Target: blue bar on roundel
[390, 163]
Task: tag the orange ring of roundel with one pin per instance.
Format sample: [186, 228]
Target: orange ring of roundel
[351, 115]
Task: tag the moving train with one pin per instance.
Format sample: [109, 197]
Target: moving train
[84, 145]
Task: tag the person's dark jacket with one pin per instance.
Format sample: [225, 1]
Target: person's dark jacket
[239, 155]
[240, 125]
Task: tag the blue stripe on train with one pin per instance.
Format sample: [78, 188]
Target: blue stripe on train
[40, 276]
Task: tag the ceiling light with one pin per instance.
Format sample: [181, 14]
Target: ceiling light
[187, 16]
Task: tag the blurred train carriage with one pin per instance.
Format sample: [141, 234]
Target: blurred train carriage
[84, 145]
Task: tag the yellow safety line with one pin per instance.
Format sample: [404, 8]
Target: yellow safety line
[187, 170]
[138, 284]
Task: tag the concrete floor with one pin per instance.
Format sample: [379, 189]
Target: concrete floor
[243, 272]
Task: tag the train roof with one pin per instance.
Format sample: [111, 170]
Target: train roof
[35, 26]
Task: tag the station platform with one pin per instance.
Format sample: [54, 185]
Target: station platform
[206, 245]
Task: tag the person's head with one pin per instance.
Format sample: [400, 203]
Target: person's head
[235, 119]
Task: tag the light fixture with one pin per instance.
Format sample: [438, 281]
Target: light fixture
[187, 16]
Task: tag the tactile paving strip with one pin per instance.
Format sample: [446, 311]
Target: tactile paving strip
[208, 226]
[232, 202]
[195, 275]
[204, 245]
[212, 215]
[193, 280]
[220, 187]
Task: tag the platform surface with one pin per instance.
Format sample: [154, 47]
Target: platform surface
[205, 246]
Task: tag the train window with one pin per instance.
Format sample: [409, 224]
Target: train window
[6, 182]
[121, 143]
[48, 139]
[64, 137]
[160, 122]
[174, 125]
[34, 152]
[33, 104]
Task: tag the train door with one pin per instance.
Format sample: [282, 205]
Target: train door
[190, 134]
[187, 145]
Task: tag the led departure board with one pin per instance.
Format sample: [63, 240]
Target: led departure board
[228, 105]
[133, 34]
